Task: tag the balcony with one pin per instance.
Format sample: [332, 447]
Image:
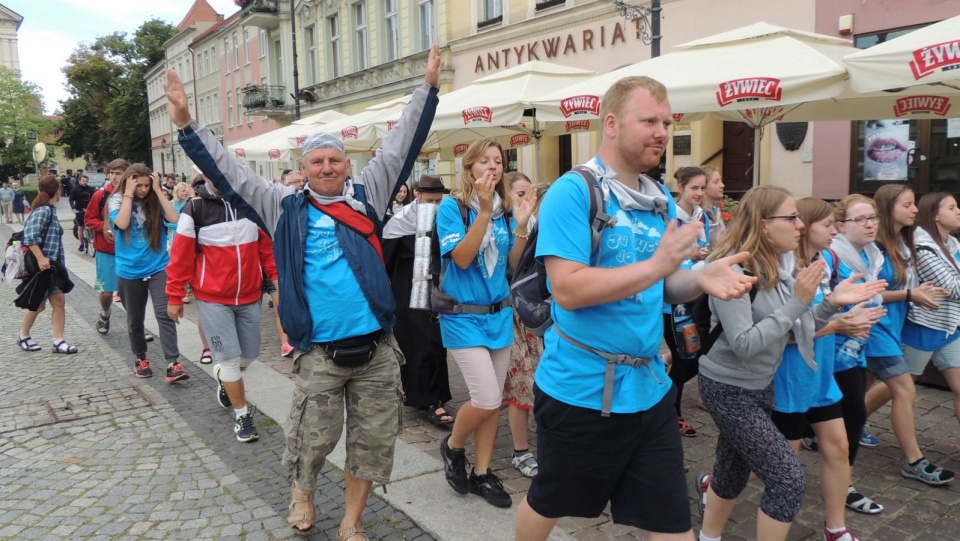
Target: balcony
[264, 100]
[260, 13]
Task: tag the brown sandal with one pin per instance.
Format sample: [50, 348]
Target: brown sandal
[295, 519]
[346, 532]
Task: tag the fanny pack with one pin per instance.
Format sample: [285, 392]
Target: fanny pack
[353, 352]
[442, 303]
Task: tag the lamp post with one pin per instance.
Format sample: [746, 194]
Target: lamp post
[163, 156]
[649, 21]
[296, 74]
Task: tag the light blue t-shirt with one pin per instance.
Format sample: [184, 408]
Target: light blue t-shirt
[631, 326]
[135, 259]
[796, 386]
[350, 315]
[926, 339]
[473, 286]
[885, 335]
[845, 344]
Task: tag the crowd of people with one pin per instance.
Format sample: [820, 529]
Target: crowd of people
[819, 314]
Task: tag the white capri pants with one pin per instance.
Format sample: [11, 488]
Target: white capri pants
[485, 371]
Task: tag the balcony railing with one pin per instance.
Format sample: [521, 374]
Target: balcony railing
[261, 6]
[261, 13]
[262, 97]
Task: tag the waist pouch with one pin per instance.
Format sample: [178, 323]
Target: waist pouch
[442, 303]
[353, 352]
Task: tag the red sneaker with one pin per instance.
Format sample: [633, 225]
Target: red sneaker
[175, 372]
[141, 368]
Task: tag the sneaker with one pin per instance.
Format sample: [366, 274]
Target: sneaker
[810, 444]
[454, 466]
[926, 472]
[245, 429]
[175, 372]
[703, 484]
[103, 324]
[116, 297]
[862, 504]
[286, 349]
[685, 429]
[489, 487]
[526, 463]
[868, 440]
[222, 396]
[81, 248]
[147, 337]
[141, 368]
[844, 535]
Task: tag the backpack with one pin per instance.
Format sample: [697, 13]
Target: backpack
[440, 302]
[699, 310]
[528, 289]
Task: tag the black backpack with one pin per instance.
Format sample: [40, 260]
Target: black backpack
[700, 312]
[528, 289]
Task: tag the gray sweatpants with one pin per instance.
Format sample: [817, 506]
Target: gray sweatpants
[133, 294]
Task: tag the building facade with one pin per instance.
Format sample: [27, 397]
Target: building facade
[9, 50]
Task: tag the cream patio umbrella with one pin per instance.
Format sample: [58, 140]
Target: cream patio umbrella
[926, 56]
[755, 74]
[282, 144]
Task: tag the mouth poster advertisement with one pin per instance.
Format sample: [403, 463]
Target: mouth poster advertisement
[886, 145]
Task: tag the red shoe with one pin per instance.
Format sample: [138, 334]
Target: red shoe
[141, 368]
[845, 535]
[686, 430]
[175, 372]
[286, 350]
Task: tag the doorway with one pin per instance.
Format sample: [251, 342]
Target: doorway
[737, 157]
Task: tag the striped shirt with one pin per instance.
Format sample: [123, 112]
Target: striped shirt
[933, 266]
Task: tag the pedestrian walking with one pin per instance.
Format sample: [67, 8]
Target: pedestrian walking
[18, 201]
[104, 241]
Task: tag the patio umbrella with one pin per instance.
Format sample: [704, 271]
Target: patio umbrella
[282, 144]
[755, 74]
[926, 56]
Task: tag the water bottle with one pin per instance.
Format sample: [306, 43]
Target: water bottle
[851, 347]
[685, 333]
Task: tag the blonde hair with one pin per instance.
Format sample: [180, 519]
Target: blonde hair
[477, 149]
[177, 189]
[617, 95]
[811, 210]
[745, 233]
[853, 199]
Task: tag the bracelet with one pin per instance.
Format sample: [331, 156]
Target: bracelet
[128, 195]
[519, 236]
[908, 296]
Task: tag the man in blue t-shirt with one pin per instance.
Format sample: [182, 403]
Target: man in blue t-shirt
[606, 304]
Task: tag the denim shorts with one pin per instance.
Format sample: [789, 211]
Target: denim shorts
[888, 367]
[946, 357]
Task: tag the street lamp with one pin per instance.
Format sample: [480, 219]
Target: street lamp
[649, 21]
[163, 156]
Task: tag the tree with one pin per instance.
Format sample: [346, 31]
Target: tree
[106, 115]
[22, 123]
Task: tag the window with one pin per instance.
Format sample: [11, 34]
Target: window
[226, 54]
[246, 46]
[239, 110]
[391, 30]
[236, 52]
[360, 23]
[206, 61]
[334, 23]
[263, 43]
[311, 59]
[491, 9]
[230, 109]
[428, 27]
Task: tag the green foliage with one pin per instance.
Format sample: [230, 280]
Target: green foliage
[106, 115]
[29, 193]
[22, 123]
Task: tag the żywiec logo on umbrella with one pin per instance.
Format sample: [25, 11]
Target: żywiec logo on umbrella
[677, 117]
[942, 56]
[749, 89]
[480, 113]
[350, 132]
[301, 139]
[391, 124]
[240, 153]
[937, 105]
[519, 140]
[460, 150]
[580, 105]
[775, 113]
[577, 125]
[273, 154]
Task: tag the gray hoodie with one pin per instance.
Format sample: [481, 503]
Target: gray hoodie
[750, 348]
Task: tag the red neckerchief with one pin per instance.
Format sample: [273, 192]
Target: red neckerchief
[357, 221]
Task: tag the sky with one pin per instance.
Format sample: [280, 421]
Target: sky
[52, 29]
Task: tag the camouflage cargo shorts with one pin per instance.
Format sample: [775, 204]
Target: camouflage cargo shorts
[373, 398]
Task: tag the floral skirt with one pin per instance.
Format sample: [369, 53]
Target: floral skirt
[524, 357]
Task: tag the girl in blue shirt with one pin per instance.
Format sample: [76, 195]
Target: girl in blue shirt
[480, 332]
[138, 208]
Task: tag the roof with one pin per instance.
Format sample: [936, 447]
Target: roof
[12, 15]
[200, 11]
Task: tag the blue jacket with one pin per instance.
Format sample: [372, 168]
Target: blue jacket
[282, 211]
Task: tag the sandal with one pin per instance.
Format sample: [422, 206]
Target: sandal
[347, 532]
[26, 344]
[295, 519]
[862, 504]
[526, 463]
[926, 472]
[205, 356]
[441, 419]
[61, 346]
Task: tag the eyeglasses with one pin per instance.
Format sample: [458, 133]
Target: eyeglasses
[862, 220]
[792, 217]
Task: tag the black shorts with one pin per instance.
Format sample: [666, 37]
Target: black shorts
[794, 426]
[633, 461]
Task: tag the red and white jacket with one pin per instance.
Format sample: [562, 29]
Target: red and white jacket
[232, 257]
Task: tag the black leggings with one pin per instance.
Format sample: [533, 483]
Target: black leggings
[681, 370]
[853, 384]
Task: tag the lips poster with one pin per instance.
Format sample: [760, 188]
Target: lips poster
[886, 145]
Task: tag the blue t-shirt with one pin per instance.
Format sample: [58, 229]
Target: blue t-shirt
[135, 259]
[472, 285]
[631, 326]
[884, 338]
[796, 386]
[846, 345]
[926, 339]
[350, 315]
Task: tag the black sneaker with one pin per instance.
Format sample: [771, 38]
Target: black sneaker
[222, 397]
[455, 466]
[489, 487]
[244, 428]
[141, 368]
